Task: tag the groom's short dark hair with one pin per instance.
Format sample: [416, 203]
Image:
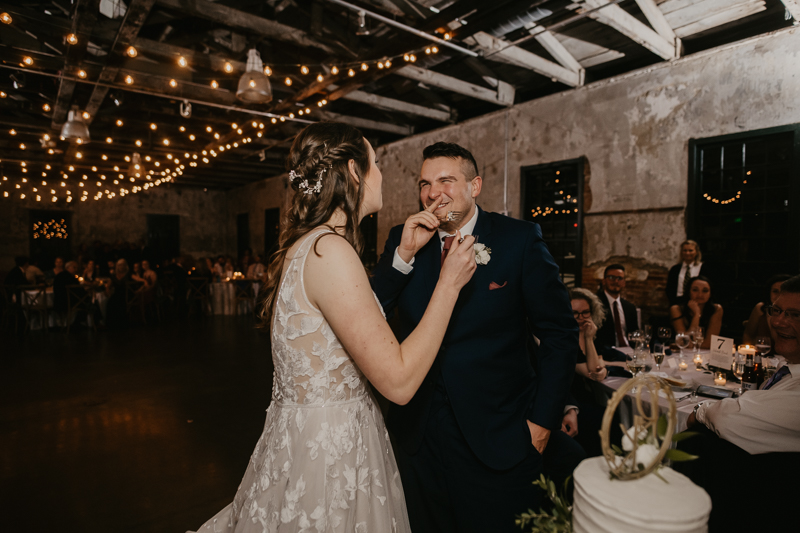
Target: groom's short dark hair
[453, 151]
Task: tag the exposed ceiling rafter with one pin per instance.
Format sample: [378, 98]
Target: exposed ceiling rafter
[504, 95]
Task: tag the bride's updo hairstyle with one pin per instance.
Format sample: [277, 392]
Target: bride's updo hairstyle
[321, 184]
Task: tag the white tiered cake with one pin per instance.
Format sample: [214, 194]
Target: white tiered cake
[603, 505]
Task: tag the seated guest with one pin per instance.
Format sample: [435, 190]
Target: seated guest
[757, 323]
[229, 268]
[34, 274]
[68, 277]
[256, 269]
[149, 277]
[699, 311]
[622, 313]
[137, 270]
[89, 271]
[219, 267]
[680, 275]
[16, 276]
[766, 420]
[58, 268]
[116, 309]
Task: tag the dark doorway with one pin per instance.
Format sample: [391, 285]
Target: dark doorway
[49, 236]
[163, 238]
[272, 229]
[743, 212]
[242, 234]
[552, 196]
[369, 230]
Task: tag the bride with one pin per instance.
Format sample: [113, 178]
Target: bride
[324, 461]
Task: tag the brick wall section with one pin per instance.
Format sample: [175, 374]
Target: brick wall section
[644, 285]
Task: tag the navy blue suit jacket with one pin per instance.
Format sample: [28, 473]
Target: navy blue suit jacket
[492, 385]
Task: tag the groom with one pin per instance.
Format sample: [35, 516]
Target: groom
[470, 442]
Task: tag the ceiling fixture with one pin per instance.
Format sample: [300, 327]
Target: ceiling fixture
[75, 128]
[254, 86]
[362, 24]
[185, 109]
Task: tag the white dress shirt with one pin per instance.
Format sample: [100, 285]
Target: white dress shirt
[760, 421]
[405, 268]
[694, 271]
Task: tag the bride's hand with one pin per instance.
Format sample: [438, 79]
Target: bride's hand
[460, 263]
[417, 231]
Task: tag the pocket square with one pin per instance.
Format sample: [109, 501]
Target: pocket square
[493, 285]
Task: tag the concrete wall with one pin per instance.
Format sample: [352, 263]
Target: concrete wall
[204, 223]
[254, 199]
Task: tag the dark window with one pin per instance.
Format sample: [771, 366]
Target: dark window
[272, 230]
[369, 230]
[242, 234]
[743, 193]
[163, 238]
[552, 196]
[49, 237]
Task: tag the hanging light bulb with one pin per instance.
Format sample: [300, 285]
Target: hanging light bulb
[75, 128]
[173, 83]
[334, 70]
[387, 63]
[320, 78]
[81, 73]
[214, 84]
[380, 64]
[304, 69]
[109, 140]
[362, 24]
[351, 73]
[183, 62]
[254, 86]
[72, 38]
[46, 107]
[435, 49]
[27, 60]
[364, 66]
[85, 115]
[228, 67]
[153, 126]
[5, 18]
[288, 81]
[131, 51]
[119, 122]
[129, 79]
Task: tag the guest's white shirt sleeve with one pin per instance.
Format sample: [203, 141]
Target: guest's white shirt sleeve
[402, 266]
[760, 421]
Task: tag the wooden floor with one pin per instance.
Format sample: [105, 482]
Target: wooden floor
[147, 429]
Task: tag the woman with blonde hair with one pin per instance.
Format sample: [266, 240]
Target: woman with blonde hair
[690, 266]
[324, 461]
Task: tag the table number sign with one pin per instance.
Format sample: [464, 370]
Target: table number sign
[721, 352]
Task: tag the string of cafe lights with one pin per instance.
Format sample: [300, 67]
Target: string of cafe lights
[154, 177]
[540, 211]
[731, 199]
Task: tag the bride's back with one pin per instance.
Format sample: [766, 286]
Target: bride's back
[311, 366]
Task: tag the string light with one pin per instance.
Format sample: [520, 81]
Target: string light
[267, 71]
[173, 83]
[191, 137]
[387, 63]
[119, 122]
[304, 69]
[72, 38]
[131, 51]
[320, 77]
[85, 115]
[5, 18]
[27, 60]
[182, 62]
[351, 73]
[228, 67]
[129, 79]
[46, 108]
[214, 84]
[334, 70]
[288, 81]
[208, 129]
[138, 142]
[12, 131]
[153, 126]
[46, 137]
[364, 67]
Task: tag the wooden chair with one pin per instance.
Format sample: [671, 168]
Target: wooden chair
[34, 302]
[79, 299]
[198, 294]
[244, 295]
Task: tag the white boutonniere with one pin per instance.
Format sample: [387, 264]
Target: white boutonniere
[482, 253]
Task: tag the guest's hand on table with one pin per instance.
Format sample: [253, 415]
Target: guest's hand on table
[600, 373]
[569, 424]
[539, 436]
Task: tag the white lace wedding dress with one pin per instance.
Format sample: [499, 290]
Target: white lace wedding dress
[324, 462]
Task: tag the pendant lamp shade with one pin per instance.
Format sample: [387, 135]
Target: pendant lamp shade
[254, 87]
[75, 129]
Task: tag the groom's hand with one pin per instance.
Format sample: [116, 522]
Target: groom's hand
[417, 231]
[569, 424]
[539, 436]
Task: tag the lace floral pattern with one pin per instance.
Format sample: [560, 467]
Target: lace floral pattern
[324, 462]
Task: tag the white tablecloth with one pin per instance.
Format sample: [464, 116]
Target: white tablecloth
[223, 299]
[53, 320]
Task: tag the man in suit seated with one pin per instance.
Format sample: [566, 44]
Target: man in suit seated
[758, 434]
[69, 276]
[622, 317]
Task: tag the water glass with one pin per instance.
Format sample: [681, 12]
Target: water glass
[738, 369]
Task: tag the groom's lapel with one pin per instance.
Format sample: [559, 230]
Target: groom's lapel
[481, 232]
[430, 264]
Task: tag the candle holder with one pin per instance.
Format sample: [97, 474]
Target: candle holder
[698, 362]
[719, 379]
[682, 364]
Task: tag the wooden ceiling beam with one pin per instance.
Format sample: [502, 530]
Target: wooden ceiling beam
[246, 21]
[391, 104]
[504, 95]
[793, 7]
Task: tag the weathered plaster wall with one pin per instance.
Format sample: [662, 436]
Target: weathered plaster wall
[254, 199]
[634, 133]
[204, 221]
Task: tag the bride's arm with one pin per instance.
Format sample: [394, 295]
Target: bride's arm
[337, 285]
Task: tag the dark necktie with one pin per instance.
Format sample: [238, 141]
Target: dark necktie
[687, 281]
[784, 370]
[618, 326]
[448, 241]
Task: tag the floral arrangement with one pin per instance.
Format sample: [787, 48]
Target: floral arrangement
[557, 520]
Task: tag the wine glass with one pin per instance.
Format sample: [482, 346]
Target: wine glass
[697, 336]
[636, 365]
[738, 369]
[658, 356]
[763, 345]
[665, 334]
[770, 366]
[683, 340]
[635, 337]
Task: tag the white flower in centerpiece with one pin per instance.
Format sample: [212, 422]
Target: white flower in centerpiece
[482, 253]
[645, 455]
[628, 437]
